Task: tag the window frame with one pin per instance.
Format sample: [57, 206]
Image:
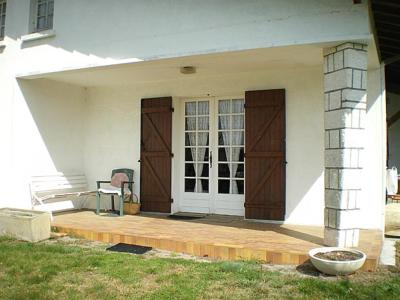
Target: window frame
[47, 15]
[3, 13]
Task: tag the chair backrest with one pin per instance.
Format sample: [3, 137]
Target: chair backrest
[127, 172]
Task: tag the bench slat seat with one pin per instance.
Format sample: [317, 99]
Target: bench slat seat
[45, 189]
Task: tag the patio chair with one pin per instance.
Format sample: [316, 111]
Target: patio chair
[121, 185]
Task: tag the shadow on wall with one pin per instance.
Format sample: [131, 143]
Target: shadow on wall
[49, 126]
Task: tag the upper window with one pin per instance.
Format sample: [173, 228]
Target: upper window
[3, 4]
[42, 14]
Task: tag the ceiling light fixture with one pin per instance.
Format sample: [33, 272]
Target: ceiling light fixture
[188, 70]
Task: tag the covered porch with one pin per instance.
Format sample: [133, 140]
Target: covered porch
[213, 236]
[310, 130]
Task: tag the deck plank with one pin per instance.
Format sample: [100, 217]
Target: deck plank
[219, 237]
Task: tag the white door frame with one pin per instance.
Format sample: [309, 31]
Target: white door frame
[227, 204]
[210, 202]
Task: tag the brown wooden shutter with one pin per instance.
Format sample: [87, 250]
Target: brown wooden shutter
[265, 155]
[155, 156]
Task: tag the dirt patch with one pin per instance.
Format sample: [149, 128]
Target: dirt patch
[339, 255]
[83, 243]
[305, 270]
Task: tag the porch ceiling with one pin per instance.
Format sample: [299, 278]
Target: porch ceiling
[206, 65]
[386, 15]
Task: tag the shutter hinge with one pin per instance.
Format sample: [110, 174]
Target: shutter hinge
[172, 109]
[172, 155]
[172, 200]
[244, 106]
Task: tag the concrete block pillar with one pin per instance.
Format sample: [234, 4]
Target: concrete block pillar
[345, 80]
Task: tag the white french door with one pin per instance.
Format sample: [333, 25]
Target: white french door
[213, 176]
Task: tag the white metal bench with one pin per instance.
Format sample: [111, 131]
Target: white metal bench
[58, 192]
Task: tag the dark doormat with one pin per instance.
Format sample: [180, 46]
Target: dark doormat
[186, 216]
[128, 248]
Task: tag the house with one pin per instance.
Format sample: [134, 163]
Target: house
[270, 110]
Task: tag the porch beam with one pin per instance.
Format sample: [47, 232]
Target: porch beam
[393, 119]
[345, 84]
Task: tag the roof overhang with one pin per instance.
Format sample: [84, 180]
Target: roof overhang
[386, 15]
[215, 64]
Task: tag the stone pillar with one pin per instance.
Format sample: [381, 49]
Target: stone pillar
[345, 80]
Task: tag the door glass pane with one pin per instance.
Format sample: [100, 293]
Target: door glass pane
[231, 123]
[203, 154]
[237, 154]
[223, 170]
[224, 106]
[238, 106]
[238, 170]
[223, 138]
[190, 185]
[197, 136]
[190, 108]
[238, 122]
[189, 155]
[203, 170]
[203, 123]
[223, 154]
[223, 186]
[203, 108]
[189, 170]
[224, 122]
[202, 139]
[237, 138]
[204, 185]
[240, 186]
[190, 123]
[190, 139]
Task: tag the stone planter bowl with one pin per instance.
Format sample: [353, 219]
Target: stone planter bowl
[331, 267]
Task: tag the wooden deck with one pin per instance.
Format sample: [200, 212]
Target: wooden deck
[219, 237]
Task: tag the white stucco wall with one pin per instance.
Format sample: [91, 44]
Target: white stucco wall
[393, 106]
[98, 32]
[373, 197]
[45, 135]
[112, 130]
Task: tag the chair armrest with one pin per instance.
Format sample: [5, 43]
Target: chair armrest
[125, 182]
[102, 181]
[122, 187]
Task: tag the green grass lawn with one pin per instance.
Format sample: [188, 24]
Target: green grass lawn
[63, 271]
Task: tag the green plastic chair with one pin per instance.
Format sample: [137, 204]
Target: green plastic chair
[120, 193]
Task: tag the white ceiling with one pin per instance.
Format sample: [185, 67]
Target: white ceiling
[206, 65]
